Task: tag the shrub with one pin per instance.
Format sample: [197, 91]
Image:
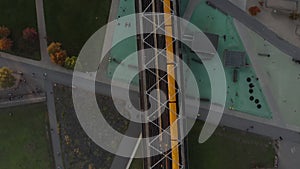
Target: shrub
[54, 47]
[6, 78]
[30, 34]
[70, 62]
[5, 44]
[59, 57]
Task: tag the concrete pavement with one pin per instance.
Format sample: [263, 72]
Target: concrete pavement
[190, 9]
[288, 151]
[28, 99]
[228, 8]
[55, 138]
[289, 154]
[259, 126]
[263, 80]
[42, 31]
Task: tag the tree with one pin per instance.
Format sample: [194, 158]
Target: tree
[54, 47]
[30, 34]
[59, 57]
[29, 42]
[70, 62]
[5, 44]
[4, 32]
[254, 10]
[6, 78]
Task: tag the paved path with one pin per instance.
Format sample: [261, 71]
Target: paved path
[190, 9]
[53, 125]
[263, 80]
[45, 59]
[242, 121]
[56, 75]
[251, 23]
[42, 31]
[289, 154]
[28, 99]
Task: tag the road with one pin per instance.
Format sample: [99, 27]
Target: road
[250, 22]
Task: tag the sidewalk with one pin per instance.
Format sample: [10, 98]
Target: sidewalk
[42, 31]
[27, 99]
[55, 138]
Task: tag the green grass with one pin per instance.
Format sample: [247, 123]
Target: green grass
[17, 15]
[73, 22]
[229, 148]
[24, 142]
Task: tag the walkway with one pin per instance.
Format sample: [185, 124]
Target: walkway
[251, 23]
[55, 138]
[28, 99]
[192, 4]
[289, 154]
[45, 59]
[42, 31]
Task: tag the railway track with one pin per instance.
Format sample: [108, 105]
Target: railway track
[158, 85]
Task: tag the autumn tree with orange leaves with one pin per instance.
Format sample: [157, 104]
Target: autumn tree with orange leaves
[56, 53]
[5, 44]
[59, 57]
[54, 47]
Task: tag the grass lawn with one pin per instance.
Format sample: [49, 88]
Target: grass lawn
[229, 148]
[24, 142]
[73, 22]
[17, 15]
